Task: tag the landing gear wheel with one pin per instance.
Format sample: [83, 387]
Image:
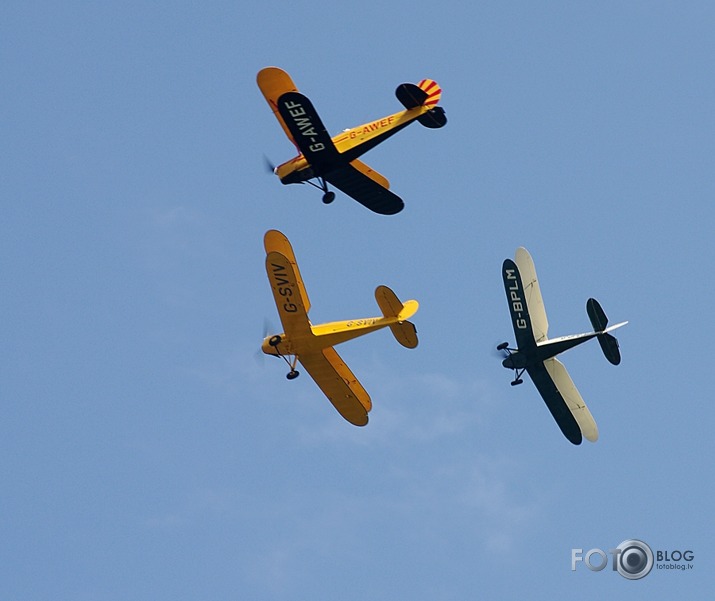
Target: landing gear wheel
[275, 340]
[517, 382]
[503, 346]
[292, 374]
[328, 197]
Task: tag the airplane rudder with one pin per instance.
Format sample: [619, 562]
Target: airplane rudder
[432, 90]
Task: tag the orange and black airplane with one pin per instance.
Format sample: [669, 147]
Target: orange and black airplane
[335, 160]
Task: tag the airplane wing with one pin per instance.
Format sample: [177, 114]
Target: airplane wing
[356, 179]
[518, 308]
[378, 178]
[564, 401]
[573, 399]
[291, 304]
[367, 186]
[339, 384]
[273, 83]
[535, 302]
[275, 241]
[307, 130]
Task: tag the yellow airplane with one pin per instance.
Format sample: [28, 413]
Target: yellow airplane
[335, 160]
[313, 345]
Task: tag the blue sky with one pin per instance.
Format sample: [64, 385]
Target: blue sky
[147, 453]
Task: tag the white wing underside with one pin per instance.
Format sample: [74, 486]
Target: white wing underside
[534, 301]
[572, 398]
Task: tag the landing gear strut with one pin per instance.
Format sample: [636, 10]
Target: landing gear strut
[274, 341]
[328, 195]
[518, 372]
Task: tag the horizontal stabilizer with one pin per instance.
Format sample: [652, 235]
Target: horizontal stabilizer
[433, 119]
[405, 333]
[392, 308]
[598, 318]
[426, 93]
[410, 95]
[599, 321]
[609, 346]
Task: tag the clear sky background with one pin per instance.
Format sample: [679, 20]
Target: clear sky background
[147, 453]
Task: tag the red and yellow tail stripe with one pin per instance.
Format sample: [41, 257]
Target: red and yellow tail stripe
[434, 92]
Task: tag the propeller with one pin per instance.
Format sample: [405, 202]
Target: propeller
[267, 327]
[259, 354]
[270, 167]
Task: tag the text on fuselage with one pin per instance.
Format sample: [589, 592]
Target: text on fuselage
[371, 127]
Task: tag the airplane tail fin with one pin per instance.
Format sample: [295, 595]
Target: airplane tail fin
[599, 321]
[392, 308]
[426, 93]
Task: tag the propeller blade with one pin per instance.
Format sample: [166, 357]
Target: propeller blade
[267, 329]
[270, 167]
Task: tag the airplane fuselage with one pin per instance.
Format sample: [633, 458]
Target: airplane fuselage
[350, 143]
[326, 335]
[523, 359]
[529, 351]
